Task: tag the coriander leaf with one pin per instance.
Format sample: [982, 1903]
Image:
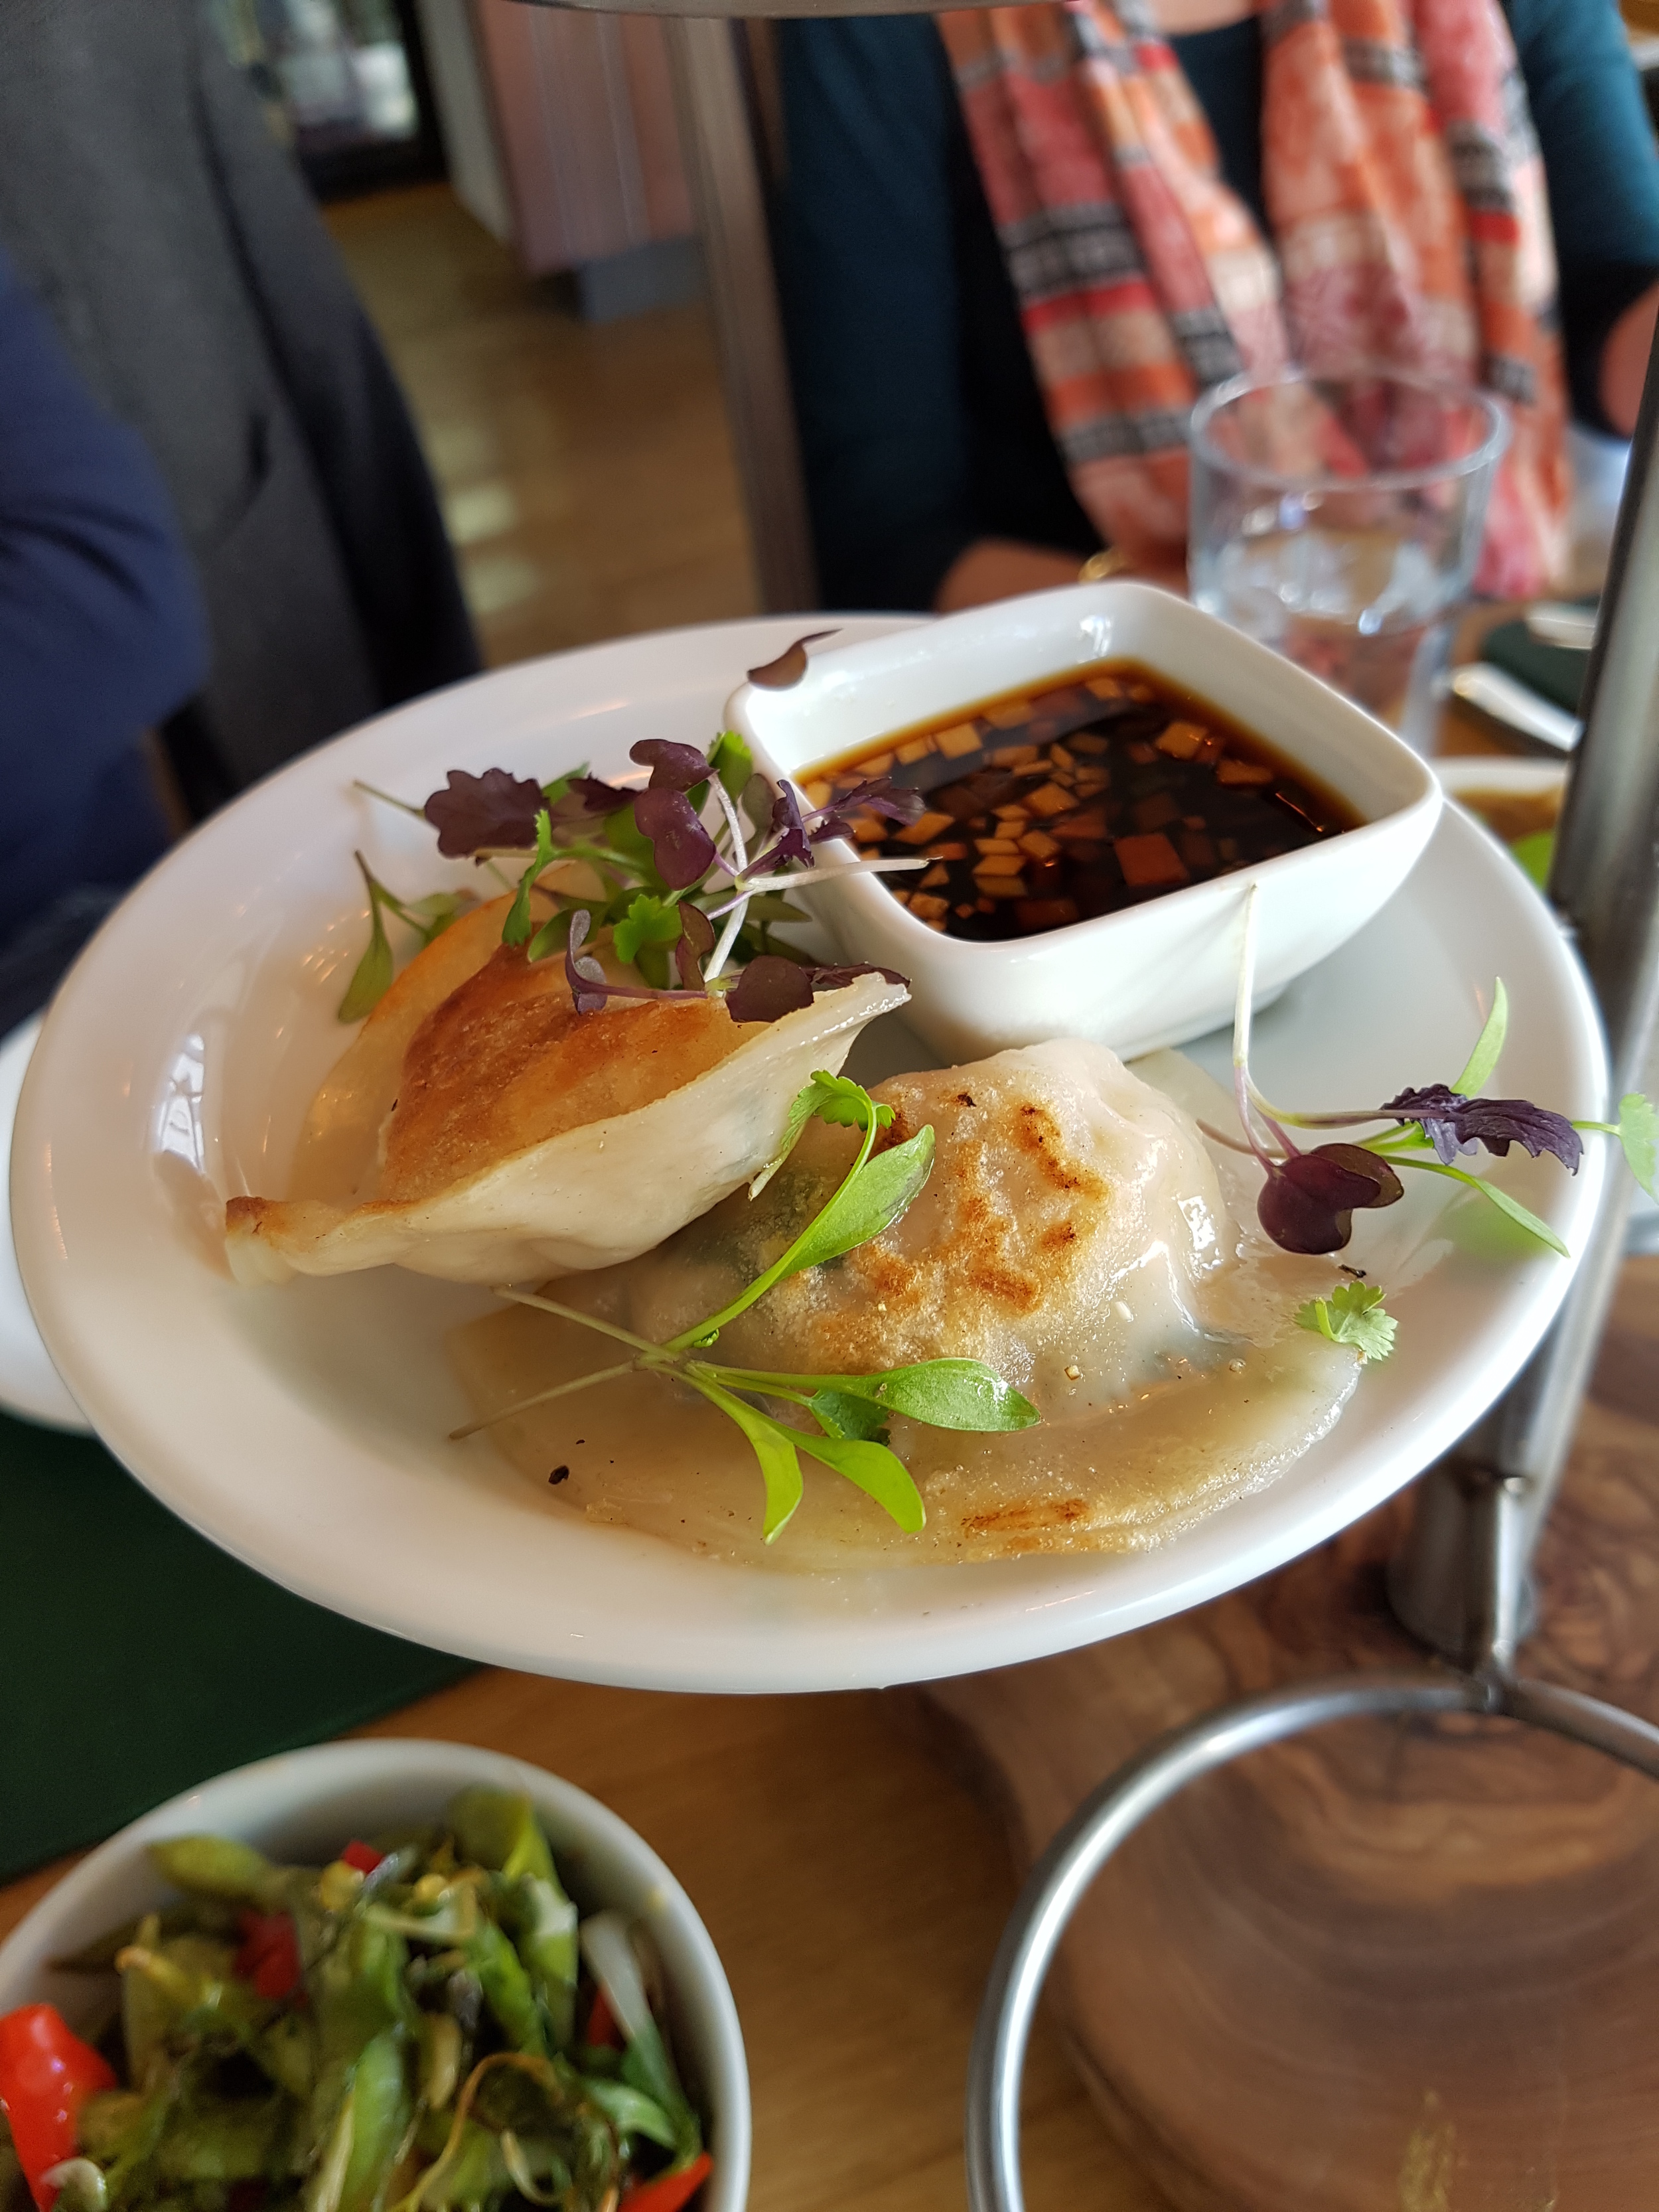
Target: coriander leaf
[800, 1113]
[869, 1202]
[520, 922]
[843, 1103]
[839, 1413]
[732, 762]
[372, 978]
[1352, 1314]
[1455, 1124]
[1487, 1046]
[1501, 1199]
[876, 1471]
[647, 921]
[1638, 1132]
[495, 808]
[775, 1447]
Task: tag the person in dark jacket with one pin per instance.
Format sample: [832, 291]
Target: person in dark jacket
[101, 637]
[178, 251]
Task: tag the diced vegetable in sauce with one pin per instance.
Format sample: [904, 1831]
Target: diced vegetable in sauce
[1106, 789]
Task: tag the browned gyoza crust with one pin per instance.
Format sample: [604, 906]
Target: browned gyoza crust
[505, 1062]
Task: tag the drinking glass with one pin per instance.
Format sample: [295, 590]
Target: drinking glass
[1337, 519]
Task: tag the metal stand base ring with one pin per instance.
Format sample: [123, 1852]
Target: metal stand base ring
[1126, 1799]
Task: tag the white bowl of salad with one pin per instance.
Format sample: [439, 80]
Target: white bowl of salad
[371, 1976]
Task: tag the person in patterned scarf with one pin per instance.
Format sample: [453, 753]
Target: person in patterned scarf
[1015, 244]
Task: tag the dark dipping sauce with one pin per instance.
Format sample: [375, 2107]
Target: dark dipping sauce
[1106, 789]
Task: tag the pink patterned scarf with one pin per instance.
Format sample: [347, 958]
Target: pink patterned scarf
[1406, 196]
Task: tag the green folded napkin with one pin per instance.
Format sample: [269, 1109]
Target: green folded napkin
[136, 1660]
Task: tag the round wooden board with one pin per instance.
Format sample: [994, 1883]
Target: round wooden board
[1405, 1967]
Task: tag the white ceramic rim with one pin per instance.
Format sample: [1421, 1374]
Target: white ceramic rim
[234, 1803]
[1091, 937]
[1486, 454]
[638, 1622]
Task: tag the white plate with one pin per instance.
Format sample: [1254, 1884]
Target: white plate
[30, 1383]
[303, 1428]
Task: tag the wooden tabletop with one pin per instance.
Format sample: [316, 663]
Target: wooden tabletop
[856, 1895]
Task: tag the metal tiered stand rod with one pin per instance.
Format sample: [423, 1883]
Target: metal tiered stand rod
[1461, 1583]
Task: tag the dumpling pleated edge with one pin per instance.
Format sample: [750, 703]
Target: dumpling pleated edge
[588, 1198]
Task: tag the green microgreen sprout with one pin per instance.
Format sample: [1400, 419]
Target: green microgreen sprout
[691, 870]
[1310, 1196]
[428, 917]
[851, 1412]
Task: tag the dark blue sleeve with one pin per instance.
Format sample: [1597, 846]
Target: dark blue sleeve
[101, 632]
[1602, 167]
[867, 276]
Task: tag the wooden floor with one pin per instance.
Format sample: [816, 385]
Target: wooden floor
[585, 470]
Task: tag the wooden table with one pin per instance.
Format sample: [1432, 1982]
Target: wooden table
[856, 1895]
[856, 1892]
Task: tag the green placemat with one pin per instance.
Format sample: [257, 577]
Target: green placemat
[135, 1660]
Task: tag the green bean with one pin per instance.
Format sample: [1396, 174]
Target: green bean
[223, 2139]
[356, 1991]
[287, 2051]
[499, 1828]
[507, 1988]
[381, 2107]
[440, 2058]
[218, 1866]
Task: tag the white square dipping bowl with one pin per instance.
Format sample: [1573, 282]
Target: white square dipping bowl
[1152, 974]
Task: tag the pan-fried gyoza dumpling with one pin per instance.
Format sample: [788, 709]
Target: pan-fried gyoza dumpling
[481, 1129]
[1072, 1235]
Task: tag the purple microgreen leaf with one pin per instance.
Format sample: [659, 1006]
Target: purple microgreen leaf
[894, 802]
[788, 827]
[585, 799]
[682, 849]
[837, 979]
[588, 987]
[770, 988]
[1453, 1124]
[788, 670]
[1308, 1202]
[696, 943]
[495, 808]
[673, 768]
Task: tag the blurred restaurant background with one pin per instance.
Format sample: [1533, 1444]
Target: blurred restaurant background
[505, 184]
